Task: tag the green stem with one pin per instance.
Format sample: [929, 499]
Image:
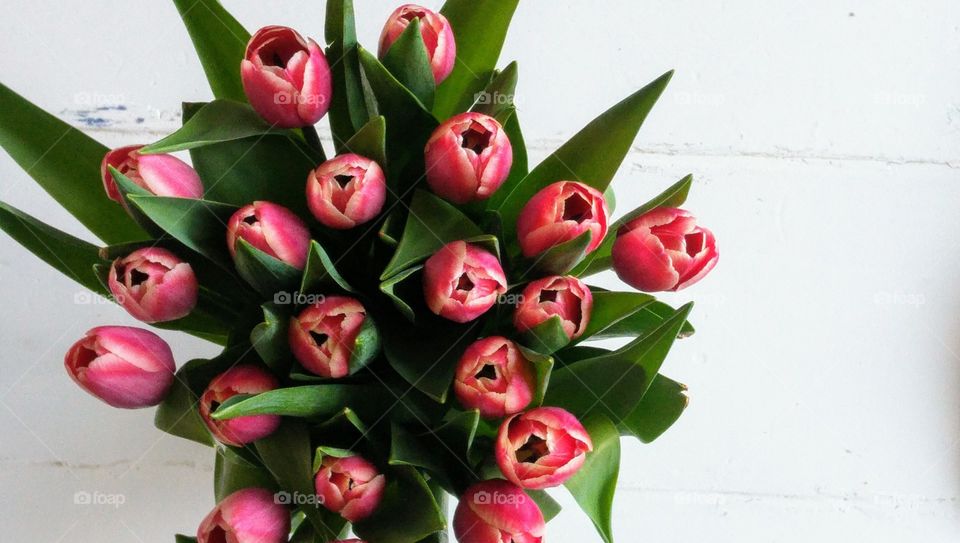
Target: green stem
[313, 140]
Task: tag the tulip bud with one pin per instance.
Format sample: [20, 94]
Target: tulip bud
[153, 285]
[250, 515]
[541, 448]
[162, 175]
[350, 486]
[243, 379]
[273, 229]
[468, 157]
[125, 367]
[462, 281]
[561, 212]
[494, 377]
[664, 249]
[324, 335]
[286, 78]
[563, 296]
[436, 33]
[495, 511]
[346, 191]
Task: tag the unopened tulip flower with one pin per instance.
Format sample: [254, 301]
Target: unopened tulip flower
[497, 511]
[324, 335]
[243, 379]
[541, 448]
[350, 486]
[664, 249]
[273, 229]
[346, 191]
[250, 515]
[162, 175]
[286, 77]
[562, 296]
[468, 157]
[436, 33]
[494, 377]
[154, 285]
[461, 281]
[123, 366]
[561, 212]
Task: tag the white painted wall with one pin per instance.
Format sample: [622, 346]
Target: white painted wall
[825, 377]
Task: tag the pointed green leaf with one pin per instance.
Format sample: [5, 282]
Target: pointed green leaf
[610, 308]
[185, 539]
[402, 289]
[431, 224]
[266, 274]
[592, 156]
[547, 337]
[408, 511]
[520, 167]
[559, 259]
[269, 338]
[198, 224]
[660, 407]
[71, 256]
[348, 109]
[409, 62]
[231, 474]
[65, 163]
[645, 319]
[548, 506]
[480, 27]
[220, 41]
[312, 402]
[427, 356]
[543, 367]
[370, 141]
[600, 259]
[594, 484]
[321, 273]
[216, 122]
[498, 97]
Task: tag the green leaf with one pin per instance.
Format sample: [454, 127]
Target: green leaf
[594, 484]
[269, 339]
[216, 122]
[185, 539]
[498, 97]
[592, 156]
[71, 256]
[367, 346]
[179, 413]
[660, 407]
[231, 474]
[233, 172]
[65, 163]
[127, 188]
[601, 259]
[431, 224]
[288, 456]
[310, 402]
[320, 273]
[543, 367]
[198, 224]
[348, 110]
[408, 512]
[406, 449]
[409, 61]
[547, 337]
[548, 506]
[426, 356]
[402, 287]
[370, 141]
[409, 125]
[266, 274]
[560, 259]
[609, 308]
[480, 27]
[520, 167]
[615, 382]
[646, 318]
[220, 41]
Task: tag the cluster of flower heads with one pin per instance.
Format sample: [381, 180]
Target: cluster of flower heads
[288, 82]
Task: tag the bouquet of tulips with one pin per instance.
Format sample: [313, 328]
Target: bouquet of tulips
[402, 310]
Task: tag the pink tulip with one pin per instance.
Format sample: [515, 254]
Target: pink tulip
[436, 33]
[664, 249]
[162, 175]
[350, 486]
[494, 377]
[468, 157]
[286, 78]
[125, 367]
[462, 281]
[273, 229]
[562, 296]
[541, 448]
[243, 379]
[154, 285]
[497, 511]
[561, 212]
[346, 191]
[251, 515]
[324, 335]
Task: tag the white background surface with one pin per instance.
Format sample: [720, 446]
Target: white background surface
[825, 379]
